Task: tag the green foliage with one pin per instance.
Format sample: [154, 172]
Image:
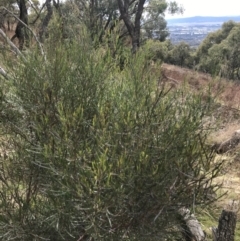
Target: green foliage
[101, 16]
[156, 29]
[95, 151]
[158, 50]
[154, 24]
[181, 55]
[219, 52]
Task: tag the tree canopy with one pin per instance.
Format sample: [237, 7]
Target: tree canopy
[218, 54]
[138, 19]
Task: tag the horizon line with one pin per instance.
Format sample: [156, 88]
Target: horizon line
[202, 16]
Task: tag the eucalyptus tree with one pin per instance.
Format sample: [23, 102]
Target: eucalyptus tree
[181, 55]
[98, 15]
[154, 11]
[21, 31]
[219, 52]
[214, 38]
[154, 23]
[230, 55]
[136, 18]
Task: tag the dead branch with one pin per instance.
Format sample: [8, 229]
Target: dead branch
[12, 45]
[190, 227]
[3, 73]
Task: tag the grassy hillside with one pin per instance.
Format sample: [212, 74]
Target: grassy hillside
[227, 118]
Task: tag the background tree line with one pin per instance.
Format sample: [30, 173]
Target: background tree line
[217, 55]
[99, 16]
[135, 22]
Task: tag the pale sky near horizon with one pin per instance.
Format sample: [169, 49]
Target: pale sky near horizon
[206, 8]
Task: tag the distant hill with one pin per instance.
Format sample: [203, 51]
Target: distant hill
[199, 19]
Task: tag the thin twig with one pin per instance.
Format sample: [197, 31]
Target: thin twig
[38, 14]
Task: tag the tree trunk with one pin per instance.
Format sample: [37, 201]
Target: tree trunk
[135, 42]
[133, 28]
[46, 20]
[190, 227]
[2, 20]
[21, 32]
[227, 224]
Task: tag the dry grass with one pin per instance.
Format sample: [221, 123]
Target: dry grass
[225, 131]
[226, 117]
[227, 92]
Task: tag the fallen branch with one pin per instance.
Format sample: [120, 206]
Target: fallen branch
[190, 227]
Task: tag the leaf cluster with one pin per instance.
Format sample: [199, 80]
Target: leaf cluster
[218, 54]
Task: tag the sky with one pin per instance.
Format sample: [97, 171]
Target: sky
[209, 8]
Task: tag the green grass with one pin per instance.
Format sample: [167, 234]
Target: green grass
[210, 219]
